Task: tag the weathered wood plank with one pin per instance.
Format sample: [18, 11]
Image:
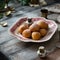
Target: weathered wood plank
[27, 8]
[25, 55]
[32, 55]
[17, 50]
[15, 46]
[5, 36]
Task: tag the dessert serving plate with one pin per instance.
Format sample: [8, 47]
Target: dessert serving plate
[52, 29]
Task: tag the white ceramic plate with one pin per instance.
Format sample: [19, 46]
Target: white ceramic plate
[52, 28]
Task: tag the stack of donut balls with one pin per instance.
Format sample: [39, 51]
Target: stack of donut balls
[35, 31]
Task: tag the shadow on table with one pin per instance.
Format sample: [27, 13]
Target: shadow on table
[3, 57]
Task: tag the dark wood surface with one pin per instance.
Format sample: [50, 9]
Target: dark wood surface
[17, 50]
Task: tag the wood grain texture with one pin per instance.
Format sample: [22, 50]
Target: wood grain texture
[17, 50]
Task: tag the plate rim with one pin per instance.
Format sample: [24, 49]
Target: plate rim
[32, 40]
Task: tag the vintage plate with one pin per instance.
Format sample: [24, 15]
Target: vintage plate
[52, 28]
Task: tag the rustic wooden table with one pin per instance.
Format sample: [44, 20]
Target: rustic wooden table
[17, 50]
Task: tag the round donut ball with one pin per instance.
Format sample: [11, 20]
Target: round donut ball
[34, 27]
[43, 32]
[26, 33]
[42, 24]
[22, 27]
[36, 35]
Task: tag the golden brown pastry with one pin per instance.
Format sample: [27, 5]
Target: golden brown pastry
[34, 27]
[42, 24]
[36, 35]
[22, 27]
[43, 32]
[26, 33]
